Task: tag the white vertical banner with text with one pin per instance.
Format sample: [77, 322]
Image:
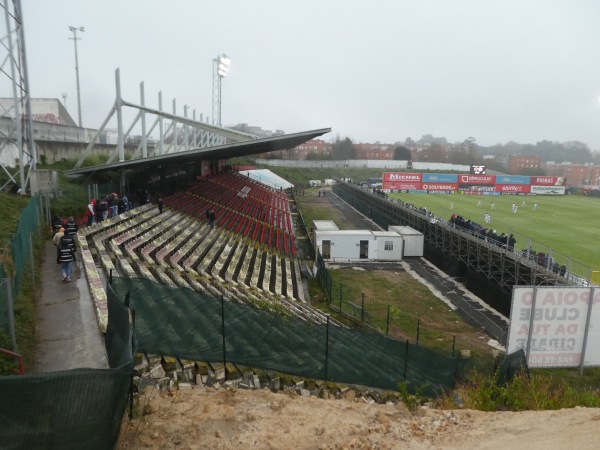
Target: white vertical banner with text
[549, 324]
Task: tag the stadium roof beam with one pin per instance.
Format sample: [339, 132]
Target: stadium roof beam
[224, 151]
[205, 135]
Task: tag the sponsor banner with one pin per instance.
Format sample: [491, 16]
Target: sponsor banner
[512, 179]
[439, 178]
[512, 188]
[477, 179]
[548, 190]
[476, 189]
[404, 177]
[549, 322]
[439, 186]
[548, 181]
[399, 186]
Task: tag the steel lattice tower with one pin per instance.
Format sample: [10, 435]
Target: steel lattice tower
[17, 137]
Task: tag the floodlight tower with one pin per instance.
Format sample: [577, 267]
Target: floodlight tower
[19, 129]
[75, 39]
[220, 70]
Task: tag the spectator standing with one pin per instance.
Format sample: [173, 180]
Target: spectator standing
[121, 208]
[212, 216]
[114, 205]
[160, 205]
[125, 201]
[511, 241]
[90, 212]
[104, 207]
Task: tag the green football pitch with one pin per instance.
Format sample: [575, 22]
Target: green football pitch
[566, 226]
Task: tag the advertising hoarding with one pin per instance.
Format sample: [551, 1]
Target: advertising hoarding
[548, 190]
[547, 181]
[477, 179]
[512, 188]
[400, 186]
[439, 186]
[439, 178]
[404, 177]
[550, 323]
[512, 179]
[478, 189]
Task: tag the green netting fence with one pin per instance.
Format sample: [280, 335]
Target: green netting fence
[14, 266]
[191, 325]
[73, 409]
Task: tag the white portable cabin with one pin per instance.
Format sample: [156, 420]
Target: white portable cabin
[413, 240]
[356, 245]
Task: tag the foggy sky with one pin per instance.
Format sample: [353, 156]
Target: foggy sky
[374, 71]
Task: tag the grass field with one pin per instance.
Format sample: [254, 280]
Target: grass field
[567, 224]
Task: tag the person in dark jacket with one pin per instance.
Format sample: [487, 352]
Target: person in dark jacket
[57, 224]
[160, 205]
[65, 256]
[212, 216]
[71, 226]
[114, 205]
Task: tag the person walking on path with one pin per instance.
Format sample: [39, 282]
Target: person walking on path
[57, 224]
[65, 256]
[58, 236]
[71, 226]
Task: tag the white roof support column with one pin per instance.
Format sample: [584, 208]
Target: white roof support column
[161, 127]
[194, 131]
[186, 141]
[174, 124]
[143, 117]
[119, 107]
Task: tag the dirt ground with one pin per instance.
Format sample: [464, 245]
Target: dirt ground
[218, 418]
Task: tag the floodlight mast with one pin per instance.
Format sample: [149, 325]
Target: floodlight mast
[220, 70]
[75, 39]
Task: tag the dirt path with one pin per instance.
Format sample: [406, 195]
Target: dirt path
[208, 418]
